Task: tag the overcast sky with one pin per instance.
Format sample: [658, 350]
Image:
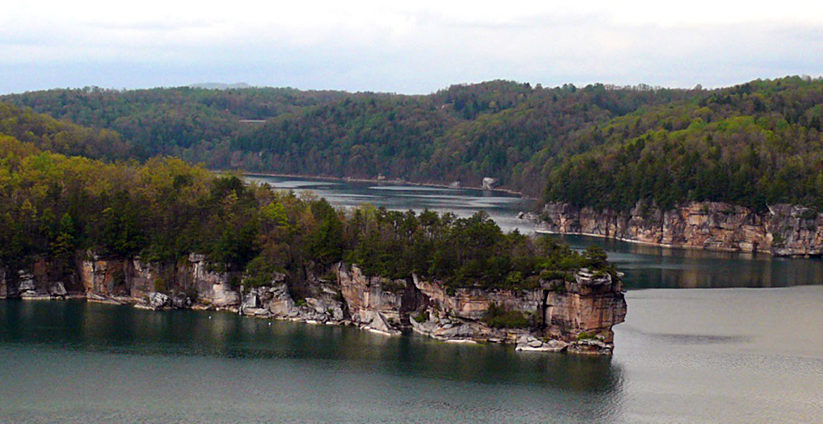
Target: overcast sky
[404, 46]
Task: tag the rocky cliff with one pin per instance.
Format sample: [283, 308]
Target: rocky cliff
[782, 230]
[3, 285]
[575, 316]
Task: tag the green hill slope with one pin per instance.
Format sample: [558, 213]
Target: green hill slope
[513, 132]
[754, 144]
[50, 134]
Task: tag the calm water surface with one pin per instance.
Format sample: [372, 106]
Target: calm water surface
[700, 355]
[501, 206]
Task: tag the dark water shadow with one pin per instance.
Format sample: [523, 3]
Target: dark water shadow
[660, 267]
[81, 326]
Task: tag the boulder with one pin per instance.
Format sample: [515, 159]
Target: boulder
[325, 309]
[376, 322]
[158, 300]
[58, 289]
[251, 300]
[591, 346]
[281, 304]
[532, 344]
[556, 345]
[180, 301]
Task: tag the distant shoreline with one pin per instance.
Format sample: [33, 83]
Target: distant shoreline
[376, 181]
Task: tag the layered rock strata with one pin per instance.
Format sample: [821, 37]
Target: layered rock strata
[781, 230]
[575, 316]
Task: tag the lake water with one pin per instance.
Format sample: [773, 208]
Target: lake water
[700, 355]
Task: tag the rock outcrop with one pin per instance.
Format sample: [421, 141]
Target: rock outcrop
[376, 303]
[26, 287]
[575, 316]
[30, 284]
[3, 285]
[323, 306]
[782, 230]
[489, 183]
[158, 300]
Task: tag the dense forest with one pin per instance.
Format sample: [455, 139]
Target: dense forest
[506, 130]
[57, 207]
[63, 137]
[193, 123]
[753, 144]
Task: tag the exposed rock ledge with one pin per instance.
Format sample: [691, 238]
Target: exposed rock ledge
[782, 230]
[575, 316]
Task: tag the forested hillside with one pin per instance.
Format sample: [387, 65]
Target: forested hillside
[194, 123]
[62, 137]
[754, 144]
[509, 131]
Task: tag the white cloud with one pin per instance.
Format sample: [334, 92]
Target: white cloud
[405, 46]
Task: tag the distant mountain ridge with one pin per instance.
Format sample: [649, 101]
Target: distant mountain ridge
[219, 85]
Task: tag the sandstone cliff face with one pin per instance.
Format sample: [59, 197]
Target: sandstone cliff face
[378, 303]
[131, 280]
[36, 283]
[783, 230]
[566, 315]
[573, 315]
[585, 310]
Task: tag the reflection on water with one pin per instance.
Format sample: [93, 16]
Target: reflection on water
[377, 378]
[659, 267]
[78, 325]
[501, 206]
[722, 355]
[742, 355]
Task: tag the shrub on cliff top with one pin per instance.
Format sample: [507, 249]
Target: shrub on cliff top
[160, 285]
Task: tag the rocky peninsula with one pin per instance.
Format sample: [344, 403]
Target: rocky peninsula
[166, 234]
[574, 316]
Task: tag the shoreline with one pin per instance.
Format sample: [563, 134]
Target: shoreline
[250, 313]
[674, 246]
[377, 181]
[363, 302]
[782, 230]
